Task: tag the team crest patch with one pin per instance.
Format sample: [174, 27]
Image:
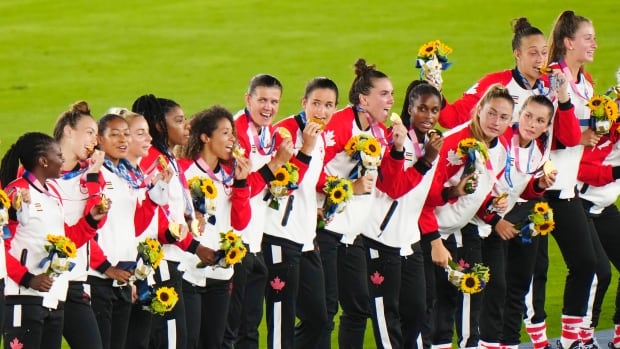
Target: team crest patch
[515, 98]
[408, 156]
[253, 148]
[108, 185]
[38, 207]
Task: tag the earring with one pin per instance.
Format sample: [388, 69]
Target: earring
[45, 165]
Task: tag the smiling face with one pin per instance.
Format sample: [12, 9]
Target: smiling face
[495, 116]
[140, 138]
[114, 140]
[177, 126]
[379, 100]
[263, 104]
[321, 103]
[52, 162]
[81, 138]
[424, 112]
[222, 140]
[583, 44]
[533, 122]
[531, 56]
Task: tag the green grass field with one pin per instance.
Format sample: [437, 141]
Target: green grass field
[201, 53]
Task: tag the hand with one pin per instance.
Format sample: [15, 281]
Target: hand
[500, 204]
[433, 80]
[95, 161]
[134, 293]
[120, 275]
[41, 282]
[284, 153]
[25, 197]
[363, 185]
[589, 138]
[399, 135]
[562, 85]
[547, 181]
[432, 147]
[165, 175]
[242, 169]
[505, 229]
[459, 189]
[97, 212]
[206, 255]
[321, 214]
[310, 135]
[439, 253]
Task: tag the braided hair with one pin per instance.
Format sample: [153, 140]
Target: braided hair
[27, 150]
[154, 110]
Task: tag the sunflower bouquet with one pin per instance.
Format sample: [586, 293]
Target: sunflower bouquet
[603, 113]
[285, 180]
[162, 301]
[203, 193]
[539, 222]
[5, 204]
[150, 254]
[466, 278]
[470, 150]
[337, 192]
[367, 151]
[232, 250]
[432, 59]
[60, 249]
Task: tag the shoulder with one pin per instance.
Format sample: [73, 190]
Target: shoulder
[501, 77]
[184, 163]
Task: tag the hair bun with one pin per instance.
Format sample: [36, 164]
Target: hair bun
[81, 106]
[361, 68]
[520, 24]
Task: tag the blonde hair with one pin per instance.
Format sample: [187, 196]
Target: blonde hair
[125, 113]
[494, 91]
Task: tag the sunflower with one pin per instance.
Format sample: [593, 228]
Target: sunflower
[541, 208]
[427, 50]
[209, 189]
[372, 148]
[281, 177]
[233, 256]
[337, 195]
[545, 228]
[68, 248]
[242, 251]
[160, 256]
[351, 146]
[54, 239]
[470, 283]
[611, 110]
[152, 244]
[443, 49]
[468, 143]
[167, 297]
[4, 199]
[231, 237]
[194, 185]
[595, 102]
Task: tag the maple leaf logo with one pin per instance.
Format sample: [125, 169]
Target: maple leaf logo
[376, 278]
[536, 336]
[16, 344]
[277, 284]
[453, 158]
[329, 138]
